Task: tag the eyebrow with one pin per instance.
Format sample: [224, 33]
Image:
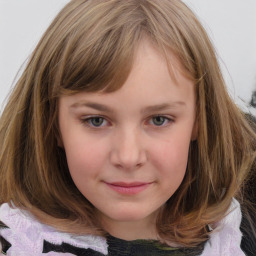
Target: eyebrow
[93, 105]
[164, 106]
[153, 108]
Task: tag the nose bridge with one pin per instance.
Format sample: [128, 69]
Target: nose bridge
[129, 151]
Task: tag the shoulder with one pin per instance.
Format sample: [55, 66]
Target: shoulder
[248, 228]
[226, 236]
[26, 235]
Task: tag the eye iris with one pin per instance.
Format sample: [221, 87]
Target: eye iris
[97, 121]
[158, 120]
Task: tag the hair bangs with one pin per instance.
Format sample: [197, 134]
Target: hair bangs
[97, 53]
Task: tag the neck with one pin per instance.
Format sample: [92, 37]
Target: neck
[131, 230]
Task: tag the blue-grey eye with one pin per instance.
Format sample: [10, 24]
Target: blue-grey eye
[159, 120]
[96, 121]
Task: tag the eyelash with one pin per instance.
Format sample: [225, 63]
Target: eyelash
[165, 119]
[88, 121]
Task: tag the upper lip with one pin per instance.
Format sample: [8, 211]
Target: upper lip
[128, 184]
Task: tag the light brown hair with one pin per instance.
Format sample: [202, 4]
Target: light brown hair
[90, 47]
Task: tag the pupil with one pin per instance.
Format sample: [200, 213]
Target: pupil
[97, 121]
[159, 120]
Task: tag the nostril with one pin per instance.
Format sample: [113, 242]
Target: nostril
[129, 160]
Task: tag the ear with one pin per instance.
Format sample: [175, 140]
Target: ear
[194, 134]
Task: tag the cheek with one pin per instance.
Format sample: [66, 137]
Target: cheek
[171, 160]
[83, 159]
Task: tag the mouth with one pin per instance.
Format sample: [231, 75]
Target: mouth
[131, 188]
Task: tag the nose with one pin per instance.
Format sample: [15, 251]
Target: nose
[128, 152]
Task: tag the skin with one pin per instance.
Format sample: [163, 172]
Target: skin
[140, 133]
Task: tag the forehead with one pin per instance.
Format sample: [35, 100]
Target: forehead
[160, 58]
[153, 81]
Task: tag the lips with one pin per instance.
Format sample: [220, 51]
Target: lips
[130, 184]
[130, 188]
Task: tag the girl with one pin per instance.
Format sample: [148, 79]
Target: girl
[120, 139]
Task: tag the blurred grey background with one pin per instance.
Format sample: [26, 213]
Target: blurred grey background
[231, 25]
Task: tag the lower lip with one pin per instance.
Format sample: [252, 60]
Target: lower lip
[132, 190]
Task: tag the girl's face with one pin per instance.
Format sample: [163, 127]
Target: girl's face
[127, 150]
